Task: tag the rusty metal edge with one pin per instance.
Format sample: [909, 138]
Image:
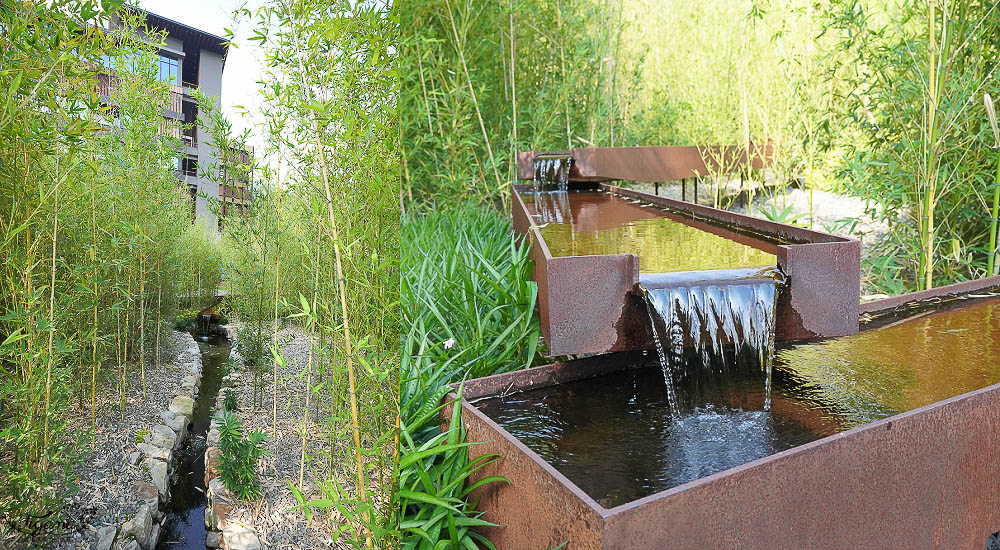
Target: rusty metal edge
[452, 397]
[596, 164]
[757, 225]
[783, 455]
[964, 287]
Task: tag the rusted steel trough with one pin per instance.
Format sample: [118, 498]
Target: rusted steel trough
[652, 164]
[587, 304]
[920, 479]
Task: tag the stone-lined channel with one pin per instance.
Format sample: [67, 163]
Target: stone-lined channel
[184, 527]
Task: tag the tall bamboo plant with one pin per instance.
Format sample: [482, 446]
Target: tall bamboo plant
[88, 203]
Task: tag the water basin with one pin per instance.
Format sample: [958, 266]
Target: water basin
[582, 223]
[615, 438]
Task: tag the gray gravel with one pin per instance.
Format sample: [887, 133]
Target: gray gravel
[271, 517]
[104, 477]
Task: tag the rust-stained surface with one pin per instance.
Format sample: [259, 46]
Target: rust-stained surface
[920, 479]
[652, 164]
[821, 296]
[888, 310]
[587, 305]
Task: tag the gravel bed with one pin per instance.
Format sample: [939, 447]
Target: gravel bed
[104, 477]
[271, 517]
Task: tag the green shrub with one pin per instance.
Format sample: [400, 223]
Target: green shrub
[252, 347]
[434, 486]
[186, 320]
[238, 464]
[466, 286]
[229, 403]
[469, 310]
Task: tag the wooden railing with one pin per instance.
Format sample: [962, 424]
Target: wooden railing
[176, 99]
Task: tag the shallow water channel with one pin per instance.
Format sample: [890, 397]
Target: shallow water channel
[615, 438]
[185, 524]
[579, 223]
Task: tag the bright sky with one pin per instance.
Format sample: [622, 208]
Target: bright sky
[243, 63]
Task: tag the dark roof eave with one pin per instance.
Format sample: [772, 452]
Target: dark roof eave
[205, 40]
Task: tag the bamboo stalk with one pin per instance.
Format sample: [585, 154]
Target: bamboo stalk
[338, 261]
[928, 209]
[312, 346]
[93, 356]
[142, 321]
[274, 395]
[472, 90]
[991, 254]
[159, 311]
[513, 83]
[124, 364]
[51, 327]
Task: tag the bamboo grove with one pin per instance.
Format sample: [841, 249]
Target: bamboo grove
[97, 245]
[100, 255]
[320, 246]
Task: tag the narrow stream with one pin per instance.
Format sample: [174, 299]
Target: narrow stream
[184, 527]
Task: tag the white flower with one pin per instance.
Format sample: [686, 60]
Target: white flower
[449, 343]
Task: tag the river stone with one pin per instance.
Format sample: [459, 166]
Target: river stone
[213, 456]
[173, 423]
[212, 539]
[217, 489]
[154, 536]
[159, 473]
[134, 458]
[139, 527]
[132, 545]
[149, 494]
[152, 451]
[164, 437]
[182, 404]
[106, 537]
[164, 441]
[238, 537]
[213, 438]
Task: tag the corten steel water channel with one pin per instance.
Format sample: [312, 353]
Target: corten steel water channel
[921, 479]
[588, 304]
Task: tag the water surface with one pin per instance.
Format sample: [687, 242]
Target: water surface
[615, 438]
[902, 366]
[614, 435]
[580, 223]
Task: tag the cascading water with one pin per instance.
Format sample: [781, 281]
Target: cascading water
[712, 321]
[551, 169]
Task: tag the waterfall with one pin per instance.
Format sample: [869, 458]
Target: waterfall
[551, 169]
[710, 320]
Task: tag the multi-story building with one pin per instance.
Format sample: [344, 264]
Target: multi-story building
[191, 59]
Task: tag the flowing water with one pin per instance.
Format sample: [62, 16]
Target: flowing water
[580, 223]
[615, 437]
[712, 323]
[551, 169]
[184, 528]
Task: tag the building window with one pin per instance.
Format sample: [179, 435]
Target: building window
[169, 69]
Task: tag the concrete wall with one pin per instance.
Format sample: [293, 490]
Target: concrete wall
[210, 83]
